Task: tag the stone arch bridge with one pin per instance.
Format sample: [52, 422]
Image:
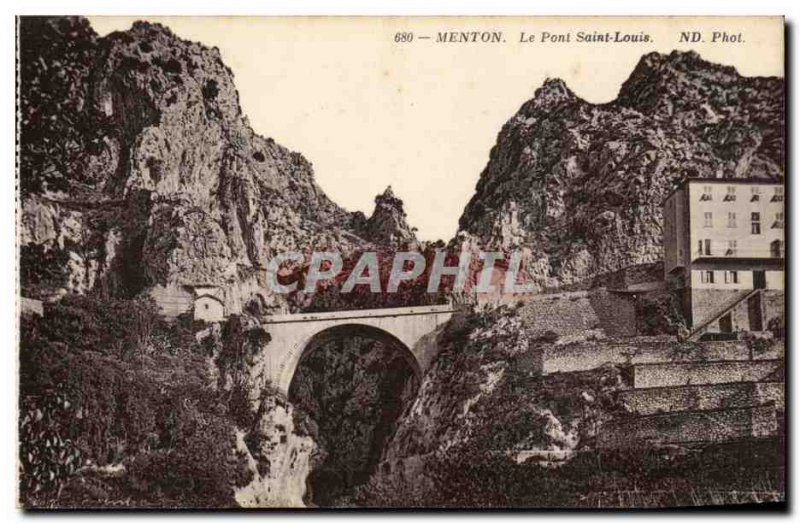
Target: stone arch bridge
[411, 330]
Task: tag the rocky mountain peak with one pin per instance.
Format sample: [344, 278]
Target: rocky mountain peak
[553, 93]
[664, 84]
[554, 88]
[387, 199]
[388, 224]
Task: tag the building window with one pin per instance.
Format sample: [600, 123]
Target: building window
[730, 196]
[704, 247]
[755, 194]
[731, 252]
[708, 219]
[778, 221]
[731, 277]
[755, 223]
[778, 196]
[731, 219]
[706, 194]
[707, 277]
[776, 249]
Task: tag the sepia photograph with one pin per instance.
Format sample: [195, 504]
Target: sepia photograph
[461, 263]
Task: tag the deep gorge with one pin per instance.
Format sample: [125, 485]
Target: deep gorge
[352, 392]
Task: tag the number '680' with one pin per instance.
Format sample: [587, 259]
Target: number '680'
[403, 37]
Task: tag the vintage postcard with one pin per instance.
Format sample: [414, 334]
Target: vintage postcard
[401, 262]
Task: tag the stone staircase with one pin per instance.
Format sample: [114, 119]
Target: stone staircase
[701, 330]
[683, 393]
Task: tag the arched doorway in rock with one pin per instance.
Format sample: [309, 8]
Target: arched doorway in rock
[351, 386]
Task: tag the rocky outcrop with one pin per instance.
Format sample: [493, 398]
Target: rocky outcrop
[388, 225]
[279, 458]
[279, 454]
[580, 185]
[138, 165]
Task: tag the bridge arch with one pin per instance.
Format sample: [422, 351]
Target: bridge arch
[404, 328]
[349, 330]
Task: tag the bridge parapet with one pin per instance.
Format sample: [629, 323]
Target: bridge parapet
[359, 313]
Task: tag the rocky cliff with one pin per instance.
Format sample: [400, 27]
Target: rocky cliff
[138, 169]
[580, 185]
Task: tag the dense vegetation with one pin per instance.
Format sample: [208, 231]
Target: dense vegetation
[715, 474]
[116, 407]
[59, 126]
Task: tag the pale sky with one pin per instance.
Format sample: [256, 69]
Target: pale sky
[423, 116]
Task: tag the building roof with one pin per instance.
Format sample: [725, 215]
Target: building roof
[198, 297]
[744, 262]
[193, 287]
[726, 181]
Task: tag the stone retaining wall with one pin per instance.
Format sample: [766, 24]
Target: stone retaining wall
[572, 313]
[583, 356]
[684, 374]
[687, 427]
[706, 397]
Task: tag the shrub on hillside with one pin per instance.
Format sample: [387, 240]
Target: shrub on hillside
[108, 386]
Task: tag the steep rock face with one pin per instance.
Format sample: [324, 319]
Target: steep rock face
[580, 185]
[388, 224]
[134, 146]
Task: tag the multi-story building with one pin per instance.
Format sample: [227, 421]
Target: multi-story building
[724, 252]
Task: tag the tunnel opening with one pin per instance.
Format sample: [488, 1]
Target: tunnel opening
[350, 388]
